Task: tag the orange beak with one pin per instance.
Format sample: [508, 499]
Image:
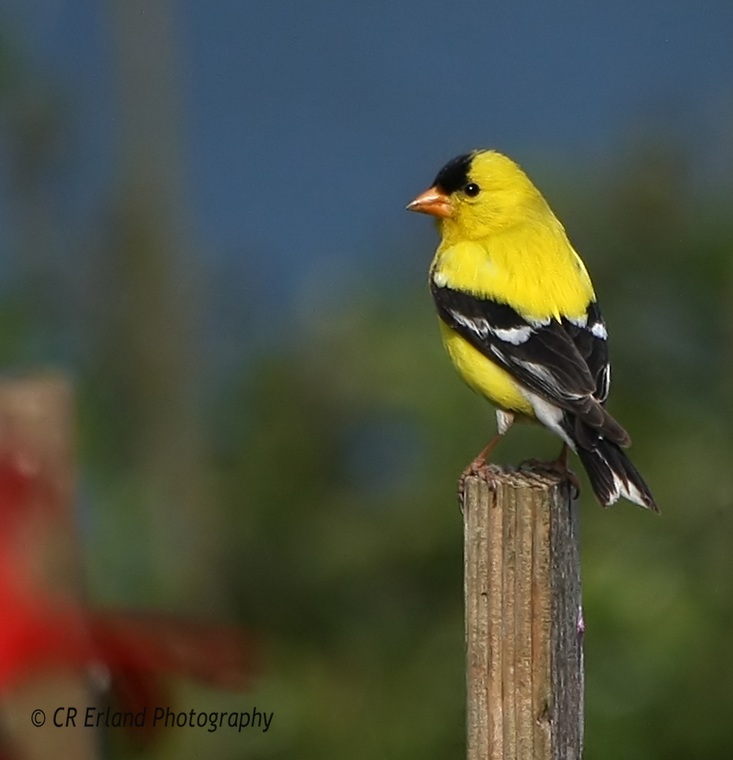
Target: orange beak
[434, 202]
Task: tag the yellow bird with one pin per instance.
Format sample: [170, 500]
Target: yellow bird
[519, 317]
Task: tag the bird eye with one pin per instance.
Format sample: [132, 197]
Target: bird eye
[471, 189]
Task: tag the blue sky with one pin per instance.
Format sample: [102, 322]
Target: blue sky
[307, 126]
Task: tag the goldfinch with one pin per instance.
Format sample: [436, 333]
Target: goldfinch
[519, 316]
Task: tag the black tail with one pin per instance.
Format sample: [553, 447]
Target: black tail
[612, 475]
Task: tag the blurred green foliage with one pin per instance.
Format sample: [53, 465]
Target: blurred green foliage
[328, 461]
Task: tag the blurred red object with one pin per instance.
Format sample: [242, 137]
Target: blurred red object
[43, 631]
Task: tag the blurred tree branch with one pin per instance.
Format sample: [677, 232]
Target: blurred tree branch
[154, 328]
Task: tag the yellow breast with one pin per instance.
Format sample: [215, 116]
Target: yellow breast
[538, 273]
[482, 375]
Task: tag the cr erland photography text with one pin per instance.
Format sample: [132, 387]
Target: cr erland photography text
[69, 716]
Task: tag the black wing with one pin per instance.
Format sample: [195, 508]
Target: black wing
[564, 362]
[591, 341]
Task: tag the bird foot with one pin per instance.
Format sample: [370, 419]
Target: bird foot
[478, 467]
[555, 467]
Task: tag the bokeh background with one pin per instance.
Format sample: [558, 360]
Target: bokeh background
[201, 221]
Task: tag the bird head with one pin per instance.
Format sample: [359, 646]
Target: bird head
[479, 194]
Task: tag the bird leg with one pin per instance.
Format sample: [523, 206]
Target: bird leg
[557, 466]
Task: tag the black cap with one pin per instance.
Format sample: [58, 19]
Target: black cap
[454, 175]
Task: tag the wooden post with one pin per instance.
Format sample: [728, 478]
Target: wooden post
[524, 623]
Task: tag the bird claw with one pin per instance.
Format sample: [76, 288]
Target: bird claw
[477, 467]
